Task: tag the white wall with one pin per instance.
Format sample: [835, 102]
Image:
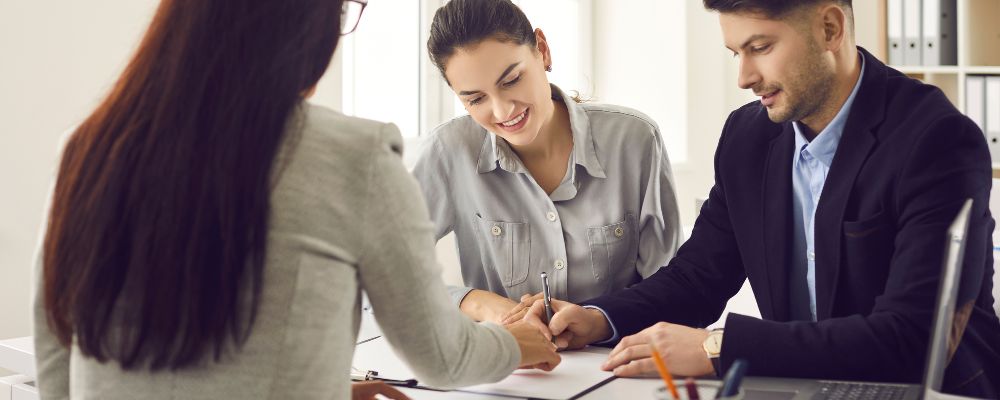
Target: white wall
[58, 59]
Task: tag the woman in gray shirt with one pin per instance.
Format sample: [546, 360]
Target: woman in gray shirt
[531, 181]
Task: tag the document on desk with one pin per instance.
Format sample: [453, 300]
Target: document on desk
[578, 372]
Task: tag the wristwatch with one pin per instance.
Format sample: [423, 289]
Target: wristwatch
[713, 348]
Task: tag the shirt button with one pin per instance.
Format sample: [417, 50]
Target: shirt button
[551, 216]
[496, 231]
[619, 232]
[811, 256]
[560, 264]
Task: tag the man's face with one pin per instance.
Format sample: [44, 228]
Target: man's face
[782, 61]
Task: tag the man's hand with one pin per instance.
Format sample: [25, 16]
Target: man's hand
[367, 390]
[517, 313]
[680, 347]
[573, 326]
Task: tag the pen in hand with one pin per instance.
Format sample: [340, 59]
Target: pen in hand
[547, 298]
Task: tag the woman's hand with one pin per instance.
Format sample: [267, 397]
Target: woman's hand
[482, 305]
[517, 313]
[537, 350]
[367, 390]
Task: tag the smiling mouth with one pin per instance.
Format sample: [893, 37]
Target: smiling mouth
[516, 119]
[768, 99]
[515, 123]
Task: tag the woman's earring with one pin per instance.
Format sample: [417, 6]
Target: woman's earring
[548, 68]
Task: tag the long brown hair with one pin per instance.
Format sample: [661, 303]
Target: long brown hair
[156, 241]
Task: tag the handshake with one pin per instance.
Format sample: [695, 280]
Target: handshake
[574, 327]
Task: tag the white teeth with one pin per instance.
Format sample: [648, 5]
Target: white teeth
[514, 121]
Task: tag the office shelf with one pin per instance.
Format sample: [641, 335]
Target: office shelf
[978, 47]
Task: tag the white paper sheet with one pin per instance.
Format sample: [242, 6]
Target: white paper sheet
[578, 371]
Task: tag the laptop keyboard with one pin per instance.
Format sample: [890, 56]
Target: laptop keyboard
[851, 391]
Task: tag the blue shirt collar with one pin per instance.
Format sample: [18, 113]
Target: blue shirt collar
[824, 146]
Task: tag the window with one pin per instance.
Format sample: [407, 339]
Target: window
[633, 56]
[385, 73]
[380, 65]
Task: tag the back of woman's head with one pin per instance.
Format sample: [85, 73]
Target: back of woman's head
[156, 241]
[461, 23]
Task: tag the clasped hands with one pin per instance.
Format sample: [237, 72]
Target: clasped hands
[574, 327]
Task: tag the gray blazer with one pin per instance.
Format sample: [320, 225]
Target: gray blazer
[345, 217]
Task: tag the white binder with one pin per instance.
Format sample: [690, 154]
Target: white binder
[940, 32]
[993, 116]
[895, 31]
[975, 100]
[912, 32]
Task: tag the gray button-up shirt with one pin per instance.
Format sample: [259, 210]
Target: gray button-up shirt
[611, 222]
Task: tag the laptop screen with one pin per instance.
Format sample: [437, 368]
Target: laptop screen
[950, 318]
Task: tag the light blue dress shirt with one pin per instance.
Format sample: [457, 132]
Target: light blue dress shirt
[810, 166]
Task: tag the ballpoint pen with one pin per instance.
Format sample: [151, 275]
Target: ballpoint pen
[547, 298]
[731, 383]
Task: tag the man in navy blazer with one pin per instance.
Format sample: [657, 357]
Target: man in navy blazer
[832, 196]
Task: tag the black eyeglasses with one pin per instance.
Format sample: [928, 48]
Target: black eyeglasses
[350, 15]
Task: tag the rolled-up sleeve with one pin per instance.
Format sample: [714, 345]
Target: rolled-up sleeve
[432, 171]
[659, 220]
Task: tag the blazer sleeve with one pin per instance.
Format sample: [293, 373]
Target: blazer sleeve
[948, 163]
[399, 272]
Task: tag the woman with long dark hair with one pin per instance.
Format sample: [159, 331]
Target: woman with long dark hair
[210, 232]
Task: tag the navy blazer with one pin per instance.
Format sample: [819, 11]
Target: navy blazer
[905, 164]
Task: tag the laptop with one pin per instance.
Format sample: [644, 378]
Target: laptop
[937, 356]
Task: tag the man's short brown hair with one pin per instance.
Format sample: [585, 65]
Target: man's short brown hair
[773, 9]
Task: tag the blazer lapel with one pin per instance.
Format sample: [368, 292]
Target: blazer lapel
[856, 144]
[776, 199]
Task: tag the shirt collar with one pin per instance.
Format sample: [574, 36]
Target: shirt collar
[825, 144]
[496, 152]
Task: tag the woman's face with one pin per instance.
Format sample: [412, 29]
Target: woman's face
[503, 86]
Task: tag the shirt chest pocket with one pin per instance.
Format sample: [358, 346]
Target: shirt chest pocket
[506, 246]
[612, 246]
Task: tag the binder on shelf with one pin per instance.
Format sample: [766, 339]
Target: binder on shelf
[975, 101]
[912, 33]
[895, 30]
[992, 106]
[940, 32]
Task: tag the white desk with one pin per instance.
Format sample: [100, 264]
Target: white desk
[18, 355]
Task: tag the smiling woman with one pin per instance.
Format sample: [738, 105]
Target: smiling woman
[531, 181]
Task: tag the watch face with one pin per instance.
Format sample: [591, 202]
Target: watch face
[713, 345]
